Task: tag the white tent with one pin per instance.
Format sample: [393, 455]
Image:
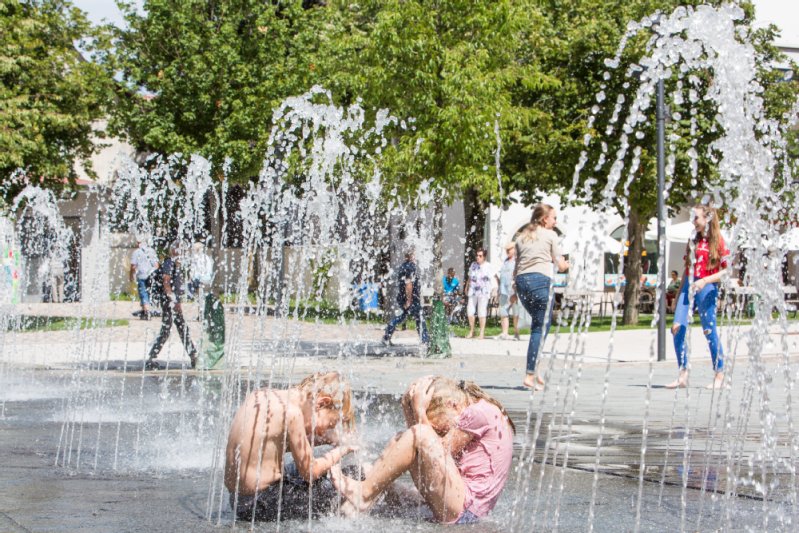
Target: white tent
[680, 232]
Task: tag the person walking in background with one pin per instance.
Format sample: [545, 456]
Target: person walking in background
[143, 264]
[408, 299]
[537, 251]
[478, 291]
[507, 296]
[709, 267]
[47, 280]
[171, 284]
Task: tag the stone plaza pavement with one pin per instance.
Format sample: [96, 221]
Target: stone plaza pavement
[603, 409]
[585, 367]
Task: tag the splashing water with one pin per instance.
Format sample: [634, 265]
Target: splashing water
[747, 444]
[318, 223]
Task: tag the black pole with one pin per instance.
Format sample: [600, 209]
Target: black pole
[661, 148]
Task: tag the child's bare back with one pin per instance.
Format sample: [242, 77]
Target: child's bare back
[257, 438]
[271, 423]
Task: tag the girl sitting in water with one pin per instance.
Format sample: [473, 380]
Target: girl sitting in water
[459, 462]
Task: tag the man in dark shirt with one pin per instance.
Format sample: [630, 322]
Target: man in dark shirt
[408, 299]
[171, 281]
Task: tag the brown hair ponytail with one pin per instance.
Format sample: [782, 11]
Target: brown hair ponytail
[474, 391]
[540, 212]
[712, 233]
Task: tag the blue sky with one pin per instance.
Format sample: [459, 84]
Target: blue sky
[99, 10]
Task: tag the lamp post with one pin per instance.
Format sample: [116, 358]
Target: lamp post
[661, 151]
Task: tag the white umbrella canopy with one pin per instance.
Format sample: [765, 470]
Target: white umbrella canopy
[682, 232]
[679, 233]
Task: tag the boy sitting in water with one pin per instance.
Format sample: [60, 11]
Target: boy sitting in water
[261, 484]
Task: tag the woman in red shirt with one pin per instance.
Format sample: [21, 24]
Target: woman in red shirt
[709, 265]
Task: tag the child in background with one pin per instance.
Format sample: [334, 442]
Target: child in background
[709, 267]
[262, 484]
[459, 462]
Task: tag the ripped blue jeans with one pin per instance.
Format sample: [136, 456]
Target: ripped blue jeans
[705, 304]
[533, 291]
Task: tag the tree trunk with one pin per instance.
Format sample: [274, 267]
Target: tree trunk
[474, 211]
[632, 269]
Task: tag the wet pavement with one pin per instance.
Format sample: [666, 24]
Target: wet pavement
[136, 453]
[90, 441]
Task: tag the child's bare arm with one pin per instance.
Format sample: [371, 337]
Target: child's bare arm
[310, 467]
[456, 440]
[337, 436]
[416, 400]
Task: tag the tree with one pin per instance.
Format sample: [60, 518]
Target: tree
[453, 68]
[587, 32]
[51, 90]
[203, 76]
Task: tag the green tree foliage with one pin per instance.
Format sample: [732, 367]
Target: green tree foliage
[50, 93]
[453, 67]
[203, 76]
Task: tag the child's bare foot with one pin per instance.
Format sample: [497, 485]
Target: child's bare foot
[718, 382]
[350, 490]
[681, 382]
[470, 335]
[533, 382]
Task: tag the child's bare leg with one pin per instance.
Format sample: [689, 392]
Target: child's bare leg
[433, 470]
[471, 327]
[437, 478]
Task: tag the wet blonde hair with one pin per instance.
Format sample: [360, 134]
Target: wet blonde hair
[335, 387]
[712, 233]
[540, 212]
[461, 392]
